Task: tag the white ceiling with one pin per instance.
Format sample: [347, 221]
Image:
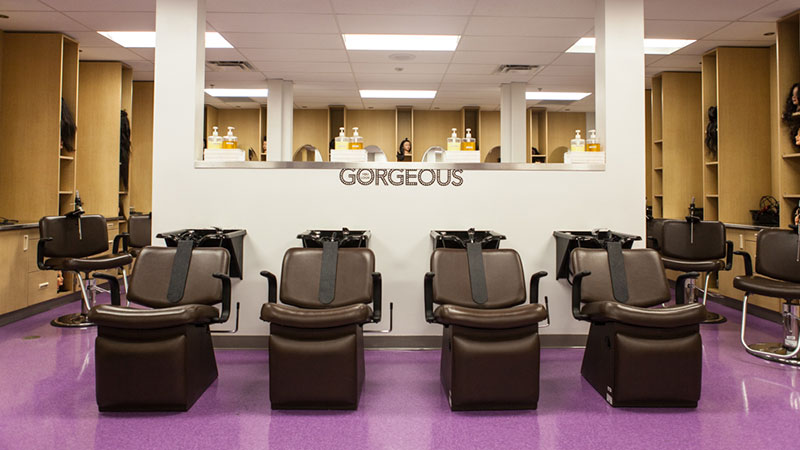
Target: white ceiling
[301, 40]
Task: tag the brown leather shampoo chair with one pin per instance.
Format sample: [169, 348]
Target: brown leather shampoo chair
[490, 345]
[316, 348]
[636, 356]
[72, 244]
[161, 359]
[777, 257]
[696, 246]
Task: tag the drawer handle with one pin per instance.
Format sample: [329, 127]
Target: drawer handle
[44, 285]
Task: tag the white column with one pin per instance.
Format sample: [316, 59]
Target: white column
[280, 120]
[178, 97]
[512, 123]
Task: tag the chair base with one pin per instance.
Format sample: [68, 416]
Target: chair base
[713, 318]
[775, 348]
[165, 369]
[483, 369]
[316, 369]
[633, 366]
[74, 320]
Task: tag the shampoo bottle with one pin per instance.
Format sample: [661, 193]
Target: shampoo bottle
[341, 142]
[592, 144]
[468, 143]
[577, 144]
[214, 141]
[230, 141]
[454, 142]
[356, 142]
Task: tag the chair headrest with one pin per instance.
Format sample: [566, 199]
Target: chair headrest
[505, 281]
[709, 240]
[300, 277]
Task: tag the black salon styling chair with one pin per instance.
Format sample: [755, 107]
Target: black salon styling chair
[777, 275]
[694, 245]
[70, 243]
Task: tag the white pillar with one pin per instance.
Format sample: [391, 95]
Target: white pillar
[178, 97]
[512, 123]
[619, 91]
[280, 120]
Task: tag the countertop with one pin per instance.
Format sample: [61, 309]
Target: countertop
[27, 226]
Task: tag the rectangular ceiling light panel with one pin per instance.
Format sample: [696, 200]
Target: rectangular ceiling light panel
[147, 39]
[257, 93]
[401, 42]
[564, 96]
[651, 46]
[376, 93]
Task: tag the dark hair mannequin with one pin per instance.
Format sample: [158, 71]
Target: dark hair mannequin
[795, 132]
[711, 131]
[401, 151]
[68, 128]
[792, 104]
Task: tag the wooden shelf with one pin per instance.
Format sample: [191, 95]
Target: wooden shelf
[658, 169]
[66, 158]
[538, 156]
[791, 196]
[658, 141]
[64, 192]
[791, 156]
[712, 196]
[712, 163]
[658, 195]
[123, 192]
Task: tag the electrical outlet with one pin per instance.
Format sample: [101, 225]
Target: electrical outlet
[25, 242]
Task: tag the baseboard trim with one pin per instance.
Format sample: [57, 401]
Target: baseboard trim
[232, 342]
[24, 313]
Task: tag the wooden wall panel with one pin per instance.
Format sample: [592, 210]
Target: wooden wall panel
[311, 127]
[489, 132]
[561, 128]
[377, 127]
[141, 189]
[247, 123]
[648, 145]
[99, 97]
[433, 128]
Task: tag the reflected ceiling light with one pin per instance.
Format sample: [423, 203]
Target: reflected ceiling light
[651, 46]
[147, 39]
[258, 93]
[377, 93]
[565, 96]
[401, 42]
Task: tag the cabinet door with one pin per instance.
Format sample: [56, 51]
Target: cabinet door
[13, 272]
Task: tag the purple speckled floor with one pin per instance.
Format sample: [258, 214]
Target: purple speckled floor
[47, 401]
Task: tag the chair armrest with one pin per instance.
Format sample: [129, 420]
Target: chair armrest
[748, 262]
[272, 286]
[429, 297]
[534, 288]
[653, 242]
[125, 238]
[680, 286]
[377, 296]
[728, 255]
[40, 253]
[226, 297]
[577, 282]
[114, 284]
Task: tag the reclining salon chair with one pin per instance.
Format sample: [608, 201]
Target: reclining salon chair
[316, 348]
[139, 235]
[68, 243]
[636, 356]
[490, 341]
[777, 257]
[162, 359]
[693, 245]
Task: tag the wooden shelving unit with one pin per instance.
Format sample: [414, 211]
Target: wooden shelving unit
[676, 164]
[551, 132]
[648, 145]
[788, 73]
[140, 190]
[736, 81]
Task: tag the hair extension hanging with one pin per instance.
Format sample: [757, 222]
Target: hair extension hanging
[124, 148]
[68, 128]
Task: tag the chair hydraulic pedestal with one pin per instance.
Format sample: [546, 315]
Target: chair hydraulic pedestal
[777, 257]
[67, 243]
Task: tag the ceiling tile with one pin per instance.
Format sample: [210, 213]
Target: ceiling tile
[679, 62]
[397, 78]
[745, 31]
[515, 43]
[223, 54]
[704, 46]
[310, 76]
[524, 26]
[774, 11]
[234, 76]
[391, 68]
[141, 66]
[390, 24]
[680, 29]
[701, 10]
[504, 58]
[271, 6]
[488, 80]
[472, 69]
[41, 21]
[116, 21]
[294, 55]
[283, 41]
[530, 8]
[389, 84]
[422, 7]
[108, 54]
[92, 39]
[146, 53]
[285, 66]
[23, 5]
[101, 5]
[366, 56]
[272, 23]
[143, 76]
[567, 71]
[574, 59]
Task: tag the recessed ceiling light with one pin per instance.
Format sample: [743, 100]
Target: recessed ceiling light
[401, 42]
[377, 93]
[147, 39]
[564, 96]
[651, 46]
[258, 93]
